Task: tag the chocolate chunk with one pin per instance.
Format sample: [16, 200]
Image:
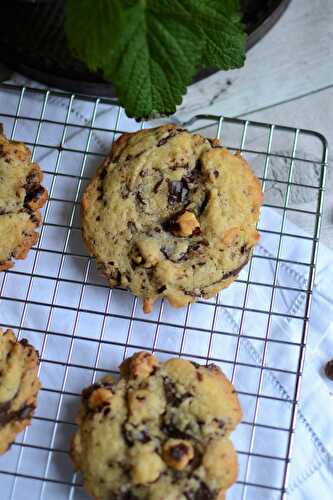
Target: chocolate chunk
[329, 369]
[198, 165]
[161, 289]
[234, 272]
[177, 452]
[172, 432]
[225, 276]
[103, 174]
[24, 342]
[196, 365]
[157, 185]
[204, 203]
[220, 423]
[195, 248]
[125, 191]
[131, 434]
[140, 199]
[34, 195]
[4, 407]
[22, 414]
[143, 437]
[202, 493]
[25, 412]
[162, 141]
[115, 276]
[212, 367]
[216, 173]
[171, 393]
[168, 254]
[175, 166]
[131, 226]
[31, 182]
[178, 191]
[196, 231]
[126, 495]
[193, 176]
[127, 436]
[199, 376]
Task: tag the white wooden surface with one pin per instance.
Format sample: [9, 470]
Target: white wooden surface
[287, 79]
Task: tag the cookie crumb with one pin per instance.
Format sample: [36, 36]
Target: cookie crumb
[148, 305]
[329, 369]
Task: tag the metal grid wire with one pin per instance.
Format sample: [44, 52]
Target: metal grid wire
[57, 299]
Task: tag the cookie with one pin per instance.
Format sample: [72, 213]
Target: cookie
[159, 433]
[19, 385]
[21, 196]
[171, 214]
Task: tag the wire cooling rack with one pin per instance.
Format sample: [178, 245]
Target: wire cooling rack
[255, 330]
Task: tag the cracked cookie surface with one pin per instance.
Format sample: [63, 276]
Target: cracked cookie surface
[21, 196]
[19, 385]
[171, 214]
[159, 433]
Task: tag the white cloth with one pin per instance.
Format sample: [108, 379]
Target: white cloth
[312, 465]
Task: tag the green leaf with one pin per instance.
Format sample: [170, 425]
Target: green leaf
[219, 24]
[151, 49]
[88, 27]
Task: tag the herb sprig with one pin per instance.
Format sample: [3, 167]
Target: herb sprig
[151, 49]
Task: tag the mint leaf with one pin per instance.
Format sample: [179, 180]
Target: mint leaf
[152, 66]
[92, 29]
[151, 49]
[220, 26]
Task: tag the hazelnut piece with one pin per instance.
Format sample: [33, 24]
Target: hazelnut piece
[186, 224]
[177, 453]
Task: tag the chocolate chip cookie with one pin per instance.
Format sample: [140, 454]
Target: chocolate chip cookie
[159, 433]
[19, 385]
[171, 214]
[21, 195]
